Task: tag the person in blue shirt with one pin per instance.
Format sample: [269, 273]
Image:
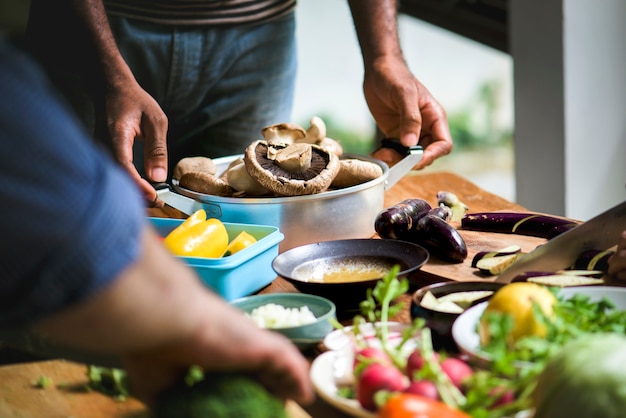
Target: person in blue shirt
[84, 275]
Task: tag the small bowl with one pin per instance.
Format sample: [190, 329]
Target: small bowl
[347, 258]
[440, 322]
[303, 336]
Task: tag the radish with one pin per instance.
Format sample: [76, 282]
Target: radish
[415, 362]
[424, 388]
[367, 356]
[457, 370]
[377, 377]
[502, 396]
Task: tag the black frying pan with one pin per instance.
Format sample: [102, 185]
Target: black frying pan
[378, 254]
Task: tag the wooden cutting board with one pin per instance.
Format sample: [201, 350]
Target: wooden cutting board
[66, 397]
[426, 185]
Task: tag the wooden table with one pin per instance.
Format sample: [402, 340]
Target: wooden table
[18, 397]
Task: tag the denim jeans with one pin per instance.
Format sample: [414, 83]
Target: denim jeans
[218, 85]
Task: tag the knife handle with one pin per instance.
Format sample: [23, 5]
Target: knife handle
[396, 145]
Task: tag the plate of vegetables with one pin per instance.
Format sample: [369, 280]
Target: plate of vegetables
[576, 311]
[386, 370]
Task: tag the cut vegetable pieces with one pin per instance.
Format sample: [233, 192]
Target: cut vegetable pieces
[455, 302]
[564, 280]
[512, 249]
[496, 265]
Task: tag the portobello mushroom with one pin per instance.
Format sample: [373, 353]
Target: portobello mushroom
[291, 170]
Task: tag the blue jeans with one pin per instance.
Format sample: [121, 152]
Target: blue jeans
[218, 85]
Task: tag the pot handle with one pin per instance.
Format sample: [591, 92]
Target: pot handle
[411, 156]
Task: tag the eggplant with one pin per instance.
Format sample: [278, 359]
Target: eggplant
[457, 207]
[594, 260]
[395, 222]
[441, 211]
[495, 265]
[488, 254]
[440, 238]
[529, 224]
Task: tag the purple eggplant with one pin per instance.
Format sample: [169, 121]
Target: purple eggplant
[530, 224]
[512, 249]
[440, 238]
[594, 260]
[396, 222]
[441, 211]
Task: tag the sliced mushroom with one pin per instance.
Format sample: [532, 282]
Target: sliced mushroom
[239, 179]
[283, 133]
[298, 175]
[205, 183]
[316, 134]
[188, 164]
[316, 131]
[353, 171]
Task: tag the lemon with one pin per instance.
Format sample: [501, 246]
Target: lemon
[517, 300]
[242, 241]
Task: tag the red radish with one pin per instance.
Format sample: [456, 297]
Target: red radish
[377, 377]
[369, 355]
[503, 396]
[457, 370]
[415, 362]
[424, 388]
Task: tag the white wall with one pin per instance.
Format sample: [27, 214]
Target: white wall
[570, 101]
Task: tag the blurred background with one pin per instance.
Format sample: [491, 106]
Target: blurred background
[472, 81]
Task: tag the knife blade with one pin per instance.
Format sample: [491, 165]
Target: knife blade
[599, 233]
[411, 156]
[182, 203]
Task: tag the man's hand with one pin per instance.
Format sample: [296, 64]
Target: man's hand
[405, 109]
[132, 114]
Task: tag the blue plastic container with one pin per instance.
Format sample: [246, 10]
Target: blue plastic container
[242, 273]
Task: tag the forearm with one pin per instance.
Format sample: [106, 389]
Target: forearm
[376, 27]
[153, 303]
[93, 14]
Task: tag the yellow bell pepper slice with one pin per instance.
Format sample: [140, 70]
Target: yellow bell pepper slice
[199, 238]
[197, 217]
[242, 241]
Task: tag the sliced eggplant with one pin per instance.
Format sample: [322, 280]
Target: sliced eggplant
[512, 249]
[457, 207]
[396, 221]
[440, 238]
[594, 260]
[495, 265]
[530, 224]
[564, 280]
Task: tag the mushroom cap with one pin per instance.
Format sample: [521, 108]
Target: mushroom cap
[240, 180]
[283, 133]
[353, 171]
[316, 178]
[205, 183]
[188, 164]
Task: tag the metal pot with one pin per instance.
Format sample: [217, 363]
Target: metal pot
[336, 214]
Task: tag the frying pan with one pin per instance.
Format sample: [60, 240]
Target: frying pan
[298, 264]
